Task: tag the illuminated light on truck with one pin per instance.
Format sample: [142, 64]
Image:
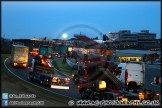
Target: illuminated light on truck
[102, 85]
[24, 65]
[141, 95]
[15, 64]
[59, 87]
[21, 58]
[120, 96]
[67, 79]
[72, 75]
[79, 87]
[55, 77]
[49, 56]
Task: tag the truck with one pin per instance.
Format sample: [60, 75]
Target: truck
[62, 50]
[46, 51]
[97, 79]
[50, 51]
[34, 51]
[43, 72]
[97, 82]
[133, 77]
[19, 55]
[80, 63]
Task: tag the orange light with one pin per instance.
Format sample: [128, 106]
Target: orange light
[79, 86]
[72, 75]
[121, 96]
[157, 94]
[54, 77]
[140, 93]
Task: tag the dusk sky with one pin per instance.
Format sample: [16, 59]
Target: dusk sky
[39, 19]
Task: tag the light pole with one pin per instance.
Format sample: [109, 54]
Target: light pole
[114, 52]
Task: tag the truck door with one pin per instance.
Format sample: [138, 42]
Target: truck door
[37, 76]
[83, 78]
[121, 76]
[33, 65]
[135, 73]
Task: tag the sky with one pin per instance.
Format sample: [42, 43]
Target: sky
[28, 19]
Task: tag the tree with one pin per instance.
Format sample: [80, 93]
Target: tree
[105, 38]
[96, 38]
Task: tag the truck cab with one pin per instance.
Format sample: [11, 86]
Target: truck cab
[133, 76]
[34, 52]
[132, 72]
[46, 51]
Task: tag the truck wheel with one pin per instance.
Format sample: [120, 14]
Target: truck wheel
[30, 77]
[34, 78]
[91, 96]
[82, 94]
[41, 81]
[111, 98]
[104, 98]
[44, 81]
[76, 79]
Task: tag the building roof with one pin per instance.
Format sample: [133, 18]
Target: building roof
[136, 52]
[18, 45]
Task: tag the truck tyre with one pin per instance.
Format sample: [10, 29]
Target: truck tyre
[44, 81]
[104, 98]
[34, 78]
[76, 79]
[30, 77]
[82, 94]
[111, 98]
[91, 96]
[41, 81]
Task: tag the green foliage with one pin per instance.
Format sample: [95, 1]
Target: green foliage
[61, 65]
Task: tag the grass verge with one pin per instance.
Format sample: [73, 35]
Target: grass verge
[13, 85]
[61, 65]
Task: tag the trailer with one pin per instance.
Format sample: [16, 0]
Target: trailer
[19, 55]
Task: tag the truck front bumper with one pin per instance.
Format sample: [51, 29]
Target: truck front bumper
[20, 64]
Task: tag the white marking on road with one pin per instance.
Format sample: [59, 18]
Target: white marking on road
[152, 83]
[37, 85]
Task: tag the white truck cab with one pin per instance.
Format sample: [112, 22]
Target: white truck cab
[132, 72]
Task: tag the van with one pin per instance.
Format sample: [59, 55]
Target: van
[132, 71]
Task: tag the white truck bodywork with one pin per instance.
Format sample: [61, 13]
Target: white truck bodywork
[135, 70]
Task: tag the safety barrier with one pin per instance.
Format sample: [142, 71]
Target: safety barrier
[69, 62]
[157, 80]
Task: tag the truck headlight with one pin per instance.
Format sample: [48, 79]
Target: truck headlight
[24, 65]
[49, 56]
[15, 64]
[55, 78]
[72, 75]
